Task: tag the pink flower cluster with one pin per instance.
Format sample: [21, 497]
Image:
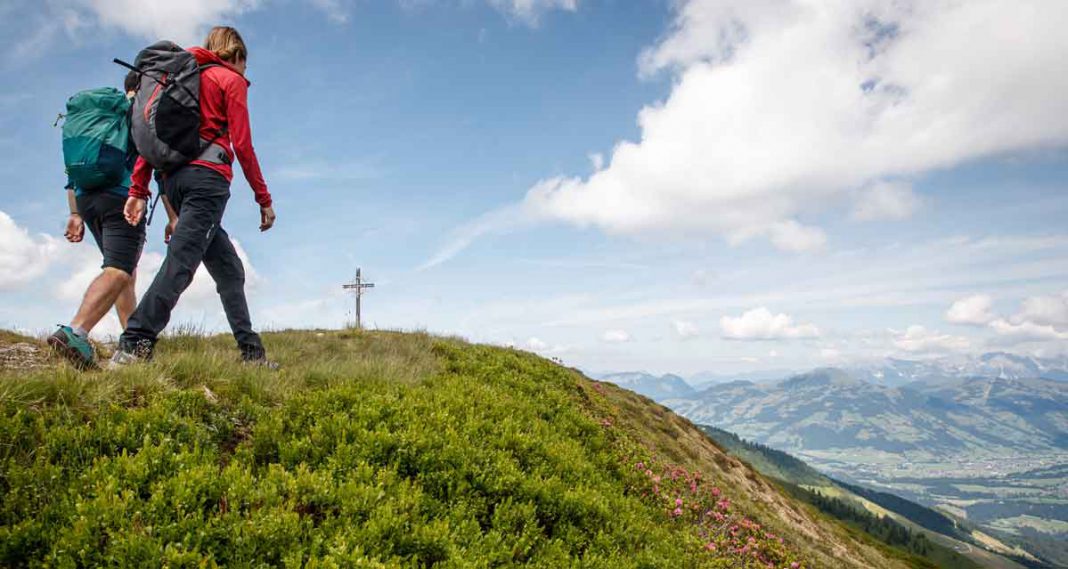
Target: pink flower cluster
[687, 499]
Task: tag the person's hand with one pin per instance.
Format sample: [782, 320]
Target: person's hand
[266, 218]
[169, 230]
[75, 228]
[134, 210]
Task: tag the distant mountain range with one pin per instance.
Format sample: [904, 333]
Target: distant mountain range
[891, 372]
[896, 372]
[831, 409]
[983, 439]
[656, 387]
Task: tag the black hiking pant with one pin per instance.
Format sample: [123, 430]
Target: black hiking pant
[199, 196]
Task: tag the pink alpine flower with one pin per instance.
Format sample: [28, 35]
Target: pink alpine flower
[678, 502]
[676, 512]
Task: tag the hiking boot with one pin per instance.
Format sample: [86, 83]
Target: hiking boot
[126, 354]
[257, 356]
[75, 348]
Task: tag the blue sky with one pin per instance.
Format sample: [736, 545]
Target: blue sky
[598, 180]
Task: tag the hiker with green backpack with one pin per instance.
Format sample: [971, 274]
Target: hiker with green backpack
[99, 158]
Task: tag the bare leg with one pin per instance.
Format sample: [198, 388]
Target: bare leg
[127, 301]
[100, 296]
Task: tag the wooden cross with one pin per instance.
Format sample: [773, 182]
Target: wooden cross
[357, 286]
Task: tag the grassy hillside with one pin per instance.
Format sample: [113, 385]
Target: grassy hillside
[374, 450]
[906, 525]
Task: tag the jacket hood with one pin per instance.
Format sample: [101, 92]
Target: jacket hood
[204, 57]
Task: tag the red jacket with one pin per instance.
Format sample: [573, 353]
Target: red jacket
[223, 104]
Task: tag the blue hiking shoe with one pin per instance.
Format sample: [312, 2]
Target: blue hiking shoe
[75, 348]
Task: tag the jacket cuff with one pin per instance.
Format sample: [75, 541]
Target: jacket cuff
[140, 193]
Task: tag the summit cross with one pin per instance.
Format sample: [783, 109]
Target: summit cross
[357, 286]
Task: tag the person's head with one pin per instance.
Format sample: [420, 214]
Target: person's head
[130, 84]
[226, 43]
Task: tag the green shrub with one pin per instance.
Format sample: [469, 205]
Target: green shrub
[367, 450]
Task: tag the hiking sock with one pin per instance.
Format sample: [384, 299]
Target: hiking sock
[80, 332]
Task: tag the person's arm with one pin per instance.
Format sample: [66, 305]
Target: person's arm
[241, 139]
[139, 192]
[75, 225]
[139, 180]
[172, 218]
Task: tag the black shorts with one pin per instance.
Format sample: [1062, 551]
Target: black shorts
[119, 242]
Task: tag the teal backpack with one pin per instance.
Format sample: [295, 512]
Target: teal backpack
[96, 138]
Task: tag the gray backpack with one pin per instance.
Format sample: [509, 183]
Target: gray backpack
[165, 118]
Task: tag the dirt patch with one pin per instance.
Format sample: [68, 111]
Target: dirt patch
[23, 356]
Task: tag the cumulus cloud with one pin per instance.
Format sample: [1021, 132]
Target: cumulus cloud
[615, 336]
[919, 340]
[1026, 330]
[761, 324]
[1049, 310]
[184, 22]
[974, 310]
[1040, 318]
[685, 329]
[536, 344]
[23, 257]
[781, 109]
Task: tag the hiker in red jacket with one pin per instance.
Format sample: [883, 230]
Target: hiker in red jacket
[198, 192]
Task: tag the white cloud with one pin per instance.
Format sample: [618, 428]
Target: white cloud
[761, 324]
[1049, 310]
[1026, 330]
[615, 336]
[187, 21]
[184, 22]
[918, 340]
[536, 344]
[497, 221]
[23, 257]
[783, 108]
[530, 11]
[686, 330]
[790, 235]
[973, 310]
[1041, 318]
[885, 200]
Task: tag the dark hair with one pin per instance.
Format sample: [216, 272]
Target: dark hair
[133, 80]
